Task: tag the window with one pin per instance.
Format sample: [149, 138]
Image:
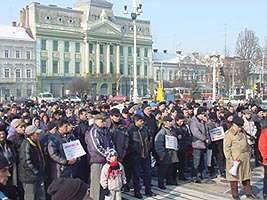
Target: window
[101, 67]
[157, 75]
[121, 50]
[90, 67]
[17, 73]
[66, 67]
[66, 46]
[111, 68]
[77, 67]
[18, 92]
[145, 70]
[29, 92]
[77, 47]
[43, 66]
[91, 47]
[28, 55]
[101, 49]
[17, 54]
[111, 50]
[28, 73]
[121, 68]
[129, 51]
[55, 45]
[6, 53]
[170, 75]
[138, 70]
[43, 44]
[55, 66]
[129, 70]
[6, 73]
[138, 52]
[146, 53]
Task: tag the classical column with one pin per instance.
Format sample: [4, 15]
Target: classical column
[108, 58]
[97, 59]
[118, 59]
[86, 56]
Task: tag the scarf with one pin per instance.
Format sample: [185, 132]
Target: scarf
[114, 169]
[40, 149]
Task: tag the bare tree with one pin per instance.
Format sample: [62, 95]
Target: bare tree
[79, 86]
[247, 48]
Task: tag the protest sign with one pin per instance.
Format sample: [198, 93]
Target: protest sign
[73, 149]
[171, 142]
[217, 134]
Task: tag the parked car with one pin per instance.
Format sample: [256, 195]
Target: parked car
[46, 96]
[75, 99]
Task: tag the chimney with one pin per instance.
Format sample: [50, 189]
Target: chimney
[155, 50]
[14, 24]
[178, 52]
[164, 51]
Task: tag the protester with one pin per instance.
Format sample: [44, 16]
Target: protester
[236, 148]
[139, 149]
[32, 165]
[68, 189]
[167, 155]
[263, 151]
[112, 177]
[98, 141]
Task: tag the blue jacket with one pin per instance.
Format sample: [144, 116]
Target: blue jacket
[98, 141]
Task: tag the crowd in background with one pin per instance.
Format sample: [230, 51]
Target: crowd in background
[125, 143]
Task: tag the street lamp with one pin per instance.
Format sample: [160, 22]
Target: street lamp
[137, 10]
[215, 60]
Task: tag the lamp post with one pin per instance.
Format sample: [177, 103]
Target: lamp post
[214, 60]
[137, 10]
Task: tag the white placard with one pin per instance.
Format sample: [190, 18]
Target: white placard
[217, 133]
[171, 142]
[73, 149]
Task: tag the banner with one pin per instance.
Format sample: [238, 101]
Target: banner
[171, 142]
[217, 134]
[73, 149]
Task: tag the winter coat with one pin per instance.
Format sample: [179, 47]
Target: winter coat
[17, 140]
[263, 145]
[236, 147]
[58, 163]
[151, 124]
[98, 141]
[251, 130]
[115, 181]
[139, 142]
[183, 132]
[169, 155]
[32, 163]
[120, 137]
[199, 132]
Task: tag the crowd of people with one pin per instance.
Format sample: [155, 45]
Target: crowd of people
[126, 143]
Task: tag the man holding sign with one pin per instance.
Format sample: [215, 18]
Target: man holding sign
[166, 146]
[60, 166]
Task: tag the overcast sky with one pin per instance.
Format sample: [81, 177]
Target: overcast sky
[188, 25]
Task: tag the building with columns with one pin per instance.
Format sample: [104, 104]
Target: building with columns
[89, 41]
[17, 62]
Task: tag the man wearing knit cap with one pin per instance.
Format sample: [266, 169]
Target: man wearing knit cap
[32, 165]
[68, 189]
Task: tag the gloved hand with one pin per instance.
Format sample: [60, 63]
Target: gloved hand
[106, 192]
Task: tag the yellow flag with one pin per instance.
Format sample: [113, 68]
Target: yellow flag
[160, 96]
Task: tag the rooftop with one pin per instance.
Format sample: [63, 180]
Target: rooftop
[14, 33]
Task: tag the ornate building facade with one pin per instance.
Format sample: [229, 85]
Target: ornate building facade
[88, 40]
[17, 61]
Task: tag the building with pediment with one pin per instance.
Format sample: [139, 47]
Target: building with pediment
[89, 41]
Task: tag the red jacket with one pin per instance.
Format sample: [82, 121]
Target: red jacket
[263, 145]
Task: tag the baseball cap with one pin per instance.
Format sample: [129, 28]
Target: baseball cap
[31, 130]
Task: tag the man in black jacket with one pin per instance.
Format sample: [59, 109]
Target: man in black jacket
[139, 149]
[32, 165]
